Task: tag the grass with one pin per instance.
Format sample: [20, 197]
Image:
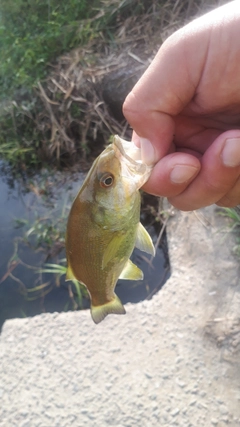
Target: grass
[19, 136]
[234, 215]
[48, 215]
[34, 33]
[76, 289]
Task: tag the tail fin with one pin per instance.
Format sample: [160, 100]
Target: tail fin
[101, 311]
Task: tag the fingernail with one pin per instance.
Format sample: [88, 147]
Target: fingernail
[182, 173]
[231, 152]
[147, 152]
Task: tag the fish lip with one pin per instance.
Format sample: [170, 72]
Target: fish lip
[128, 150]
[132, 165]
[131, 153]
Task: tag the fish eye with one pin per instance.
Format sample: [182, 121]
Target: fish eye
[106, 180]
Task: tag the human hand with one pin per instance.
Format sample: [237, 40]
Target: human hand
[185, 112]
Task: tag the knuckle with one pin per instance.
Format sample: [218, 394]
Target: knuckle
[227, 202]
[217, 187]
[129, 105]
[232, 197]
[132, 108]
[182, 204]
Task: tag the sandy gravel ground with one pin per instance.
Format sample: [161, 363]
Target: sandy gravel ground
[171, 361]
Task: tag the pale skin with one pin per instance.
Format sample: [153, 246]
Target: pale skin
[185, 113]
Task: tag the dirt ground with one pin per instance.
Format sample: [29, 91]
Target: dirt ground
[170, 361]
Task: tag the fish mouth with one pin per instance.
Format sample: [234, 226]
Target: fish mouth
[131, 161]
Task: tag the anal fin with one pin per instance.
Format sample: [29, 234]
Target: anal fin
[131, 272]
[69, 274]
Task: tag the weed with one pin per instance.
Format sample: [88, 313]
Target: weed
[76, 289]
[33, 33]
[46, 230]
[234, 215]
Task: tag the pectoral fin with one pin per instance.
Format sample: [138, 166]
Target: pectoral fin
[131, 272]
[101, 311]
[111, 250]
[144, 241]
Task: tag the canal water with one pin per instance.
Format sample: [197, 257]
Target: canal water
[33, 217]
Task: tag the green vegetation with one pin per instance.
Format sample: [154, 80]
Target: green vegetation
[34, 32]
[43, 122]
[47, 231]
[76, 290]
[19, 138]
[234, 215]
[41, 281]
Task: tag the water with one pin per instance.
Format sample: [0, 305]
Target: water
[25, 292]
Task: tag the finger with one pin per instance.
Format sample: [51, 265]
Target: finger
[172, 174]
[232, 198]
[220, 171]
[165, 89]
[136, 139]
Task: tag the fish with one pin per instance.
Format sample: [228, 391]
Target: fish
[104, 226]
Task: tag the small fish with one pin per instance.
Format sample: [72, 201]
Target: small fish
[103, 226]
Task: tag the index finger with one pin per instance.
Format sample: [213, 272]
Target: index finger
[167, 86]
